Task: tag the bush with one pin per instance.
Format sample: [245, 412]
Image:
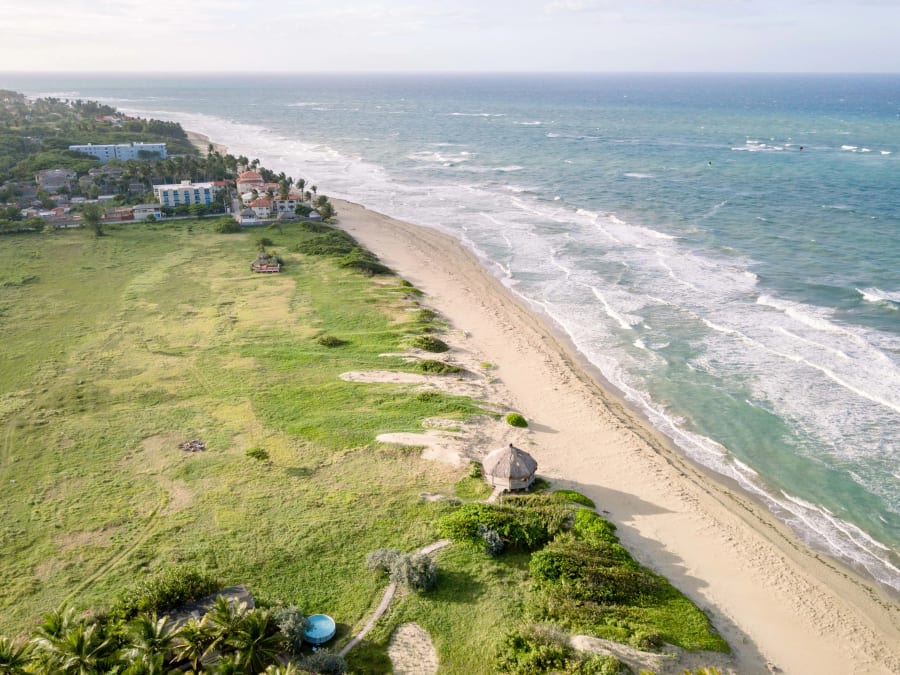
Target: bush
[516, 420]
[382, 560]
[437, 367]
[593, 573]
[328, 242]
[263, 242]
[574, 497]
[476, 470]
[361, 260]
[493, 542]
[291, 623]
[538, 649]
[330, 341]
[592, 528]
[519, 528]
[596, 664]
[226, 226]
[429, 343]
[324, 662]
[258, 453]
[168, 589]
[415, 571]
[646, 640]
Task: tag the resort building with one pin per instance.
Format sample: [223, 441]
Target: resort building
[286, 205]
[185, 192]
[249, 181]
[123, 151]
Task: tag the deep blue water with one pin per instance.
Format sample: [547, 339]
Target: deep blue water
[725, 249]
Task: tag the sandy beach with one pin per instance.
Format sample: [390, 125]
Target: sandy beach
[781, 607]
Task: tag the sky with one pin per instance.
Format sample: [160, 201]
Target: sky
[453, 35]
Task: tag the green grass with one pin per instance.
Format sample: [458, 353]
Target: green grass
[117, 349]
[124, 346]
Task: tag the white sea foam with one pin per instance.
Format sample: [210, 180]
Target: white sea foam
[879, 296]
[636, 174]
[535, 123]
[851, 148]
[885, 152]
[475, 114]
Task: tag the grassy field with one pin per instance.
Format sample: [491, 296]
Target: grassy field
[116, 349]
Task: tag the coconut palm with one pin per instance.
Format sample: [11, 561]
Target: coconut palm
[194, 642]
[224, 620]
[151, 637]
[14, 657]
[81, 650]
[257, 641]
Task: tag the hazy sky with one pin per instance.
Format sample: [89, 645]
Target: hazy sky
[460, 35]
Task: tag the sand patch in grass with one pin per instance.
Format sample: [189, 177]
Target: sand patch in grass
[411, 651]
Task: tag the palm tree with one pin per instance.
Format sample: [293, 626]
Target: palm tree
[194, 642]
[14, 657]
[81, 650]
[56, 623]
[151, 637]
[257, 641]
[290, 669]
[301, 183]
[224, 621]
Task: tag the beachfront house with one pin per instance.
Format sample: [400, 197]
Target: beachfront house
[509, 468]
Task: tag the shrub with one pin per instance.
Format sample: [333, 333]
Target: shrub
[417, 571]
[476, 470]
[258, 453]
[519, 528]
[263, 242]
[291, 623]
[493, 542]
[168, 589]
[226, 226]
[382, 560]
[646, 640]
[328, 242]
[574, 497]
[538, 649]
[516, 420]
[429, 343]
[597, 664]
[437, 367]
[592, 528]
[324, 662]
[330, 341]
[595, 573]
[361, 260]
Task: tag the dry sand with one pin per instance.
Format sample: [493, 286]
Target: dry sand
[781, 607]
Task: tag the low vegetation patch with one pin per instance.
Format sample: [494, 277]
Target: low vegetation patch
[416, 571]
[516, 420]
[330, 341]
[574, 497]
[166, 590]
[438, 367]
[258, 454]
[429, 343]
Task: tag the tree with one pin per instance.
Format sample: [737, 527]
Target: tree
[14, 657]
[91, 215]
[152, 639]
[194, 642]
[256, 641]
[81, 650]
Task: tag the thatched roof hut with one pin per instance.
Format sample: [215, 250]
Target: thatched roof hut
[509, 468]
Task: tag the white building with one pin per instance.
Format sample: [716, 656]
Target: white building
[123, 151]
[185, 192]
[144, 211]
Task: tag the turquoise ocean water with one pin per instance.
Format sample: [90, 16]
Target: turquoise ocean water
[724, 249]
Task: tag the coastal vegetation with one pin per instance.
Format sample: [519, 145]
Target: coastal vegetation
[516, 420]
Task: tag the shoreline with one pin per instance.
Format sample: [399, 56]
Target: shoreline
[778, 603]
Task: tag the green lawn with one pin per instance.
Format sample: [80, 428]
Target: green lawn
[117, 349]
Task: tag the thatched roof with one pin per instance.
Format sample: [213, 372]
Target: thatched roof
[509, 462]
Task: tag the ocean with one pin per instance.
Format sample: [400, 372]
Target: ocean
[724, 249]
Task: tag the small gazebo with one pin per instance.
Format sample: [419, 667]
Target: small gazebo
[509, 468]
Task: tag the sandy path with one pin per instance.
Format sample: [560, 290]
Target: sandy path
[777, 604]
